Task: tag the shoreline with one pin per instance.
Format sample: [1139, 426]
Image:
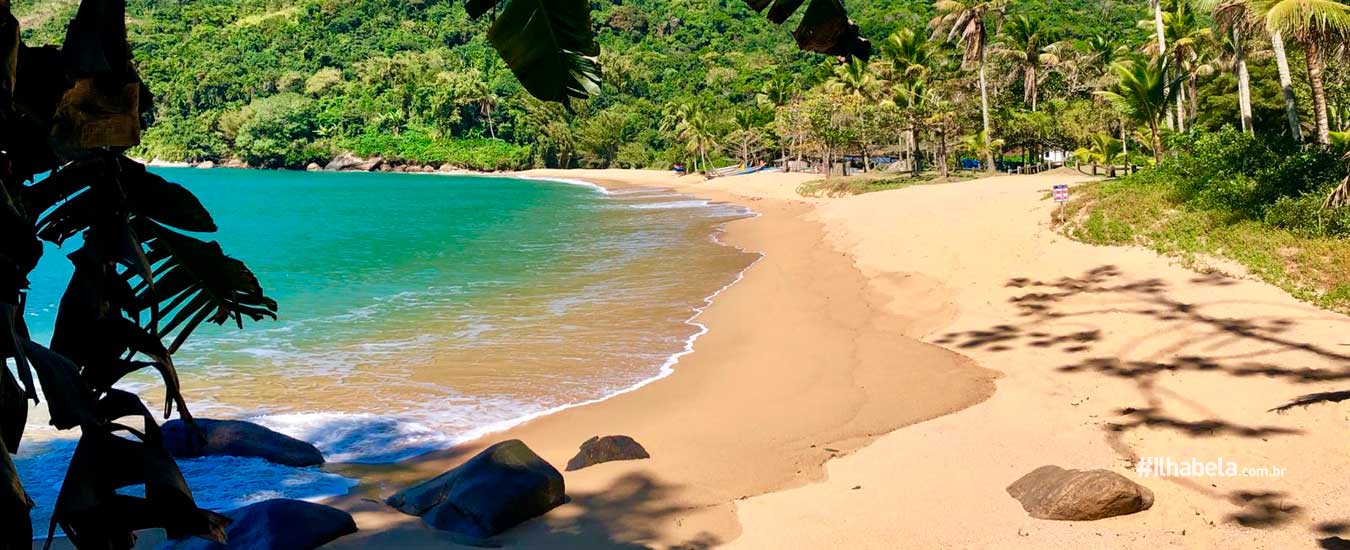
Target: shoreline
[697, 502]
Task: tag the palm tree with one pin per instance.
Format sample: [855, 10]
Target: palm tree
[1103, 149]
[1231, 16]
[1029, 46]
[1161, 31]
[856, 78]
[969, 19]
[913, 100]
[697, 133]
[910, 54]
[1311, 23]
[1187, 37]
[979, 144]
[1143, 93]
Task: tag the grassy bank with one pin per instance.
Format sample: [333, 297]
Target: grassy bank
[842, 186]
[1230, 198]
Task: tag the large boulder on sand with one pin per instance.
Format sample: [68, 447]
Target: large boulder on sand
[313, 167]
[1051, 492]
[278, 524]
[598, 450]
[495, 490]
[238, 438]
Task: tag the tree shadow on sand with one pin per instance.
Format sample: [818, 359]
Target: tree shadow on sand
[635, 511]
[1190, 338]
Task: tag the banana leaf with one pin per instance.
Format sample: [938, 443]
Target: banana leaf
[196, 282]
[12, 336]
[93, 515]
[69, 399]
[13, 410]
[14, 506]
[84, 188]
[549, 46]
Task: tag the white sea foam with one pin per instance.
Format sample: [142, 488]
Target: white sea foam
[358, 437]
[693, 203]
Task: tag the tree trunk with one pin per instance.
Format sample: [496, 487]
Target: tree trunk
[1157, 143]
[1029, 85]
[1160, 29]
[984, 112]
[1244, 81]
[1125, 147]
[942, 152]
[1194, 92]
[914, 167]
[1287, 85]
[1180, 100]
[1313, 54]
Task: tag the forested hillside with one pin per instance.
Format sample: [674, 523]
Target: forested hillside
[288, 82]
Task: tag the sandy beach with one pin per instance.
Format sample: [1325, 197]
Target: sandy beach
[845, 395]
[897, 359]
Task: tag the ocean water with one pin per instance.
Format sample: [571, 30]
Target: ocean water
[418, 311]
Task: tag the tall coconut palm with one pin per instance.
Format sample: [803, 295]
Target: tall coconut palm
[1030, 46]
[699, 137]
[1186, 37]
[856, 78]
[912, 99]
[1161, 31]
[1231, 17]
[968, 20]
[1311, 23]
[910, 54]
[1144, 94]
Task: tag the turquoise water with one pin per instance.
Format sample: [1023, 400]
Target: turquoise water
[421, 310]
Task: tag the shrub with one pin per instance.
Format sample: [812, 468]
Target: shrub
[1241, 177]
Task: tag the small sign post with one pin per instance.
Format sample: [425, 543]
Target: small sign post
[1061, 193]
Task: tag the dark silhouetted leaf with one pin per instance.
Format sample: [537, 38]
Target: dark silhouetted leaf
[196, 282]
[13, 410]
[69, 400]
[14, 506]
[165, 202]
[826, 28]
[549, 46]
[12, 337]
[90, 511]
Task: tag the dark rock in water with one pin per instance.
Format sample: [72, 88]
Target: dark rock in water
[1051, 492]
[238, 438]
[278, 524]
[598, 450]
[496, 490]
